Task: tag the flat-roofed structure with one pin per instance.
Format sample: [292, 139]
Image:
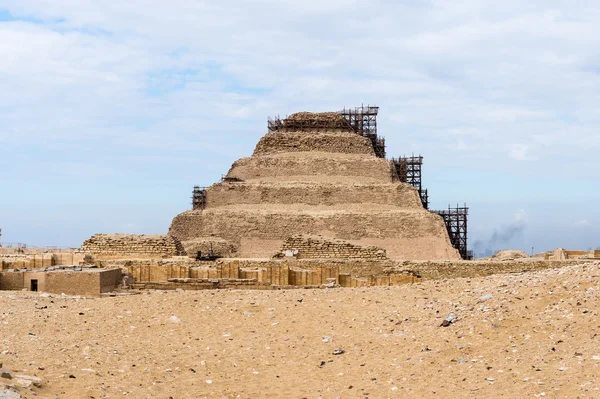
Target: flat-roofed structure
[69, 280]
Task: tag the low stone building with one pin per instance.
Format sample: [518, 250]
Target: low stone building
[115, 246]
[62, 280]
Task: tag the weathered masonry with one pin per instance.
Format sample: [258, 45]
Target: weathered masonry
[322, 174]
[317, 203]
[62, 280]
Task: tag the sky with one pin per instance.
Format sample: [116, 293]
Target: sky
[111, 111]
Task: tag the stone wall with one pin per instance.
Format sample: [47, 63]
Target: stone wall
[12, 281]
[110, 279]
[331, 141]
[405, 234]
[90, 282]
[270, 277]
[358, 267]
[157, 272]
[323, 194]
[315, 272]
[220, 247]
[105, 246]
[564, 254]
[316, 247]
[38, 260]
[204, 284]
[312, 166]
[470, 269]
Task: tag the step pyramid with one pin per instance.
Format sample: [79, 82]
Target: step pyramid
[313, 175]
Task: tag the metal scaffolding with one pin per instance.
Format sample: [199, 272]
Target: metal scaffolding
[456, 224]
[307, 124]
[409, 171]
[199, 198]
[363, 120]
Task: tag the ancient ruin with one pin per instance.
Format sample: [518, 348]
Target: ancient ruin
[141, 246]
[316, 204]
[319, 174]
[69, 280]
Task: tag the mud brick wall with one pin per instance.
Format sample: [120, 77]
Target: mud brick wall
[314, 247]
[106, 245]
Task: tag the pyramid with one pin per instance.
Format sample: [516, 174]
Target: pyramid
[313, 175]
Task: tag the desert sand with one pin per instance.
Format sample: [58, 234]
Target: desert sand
[524, 335]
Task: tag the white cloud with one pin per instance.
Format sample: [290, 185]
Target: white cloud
[521, 152]
[582, 223]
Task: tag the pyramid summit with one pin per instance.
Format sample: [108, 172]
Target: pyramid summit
[319, 175]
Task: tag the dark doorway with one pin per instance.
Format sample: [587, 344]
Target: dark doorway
[34, 285]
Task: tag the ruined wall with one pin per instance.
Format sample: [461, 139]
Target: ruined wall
[73, 283]
[88, 283]
[110, 279]
[39, 260]
[316, 247]
[403, 233]
[326, 194]
[273, 271]
[197, 285]
[12, 281]
[356, 267]
[313, 175]
[469, 269]
[312, 166]
[274, 277]
[357, 273]
[331, 141]
[220, 247]
[105, 246]
[157, 272]
[371, 281]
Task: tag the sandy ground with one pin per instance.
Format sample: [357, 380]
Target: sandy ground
[536, 337]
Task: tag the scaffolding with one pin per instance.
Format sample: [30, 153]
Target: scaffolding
[456, 224]
[409, 171]
[199, 198]
[363, 120]
[309, 122]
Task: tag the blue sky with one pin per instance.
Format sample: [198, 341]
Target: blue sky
[111, 111]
